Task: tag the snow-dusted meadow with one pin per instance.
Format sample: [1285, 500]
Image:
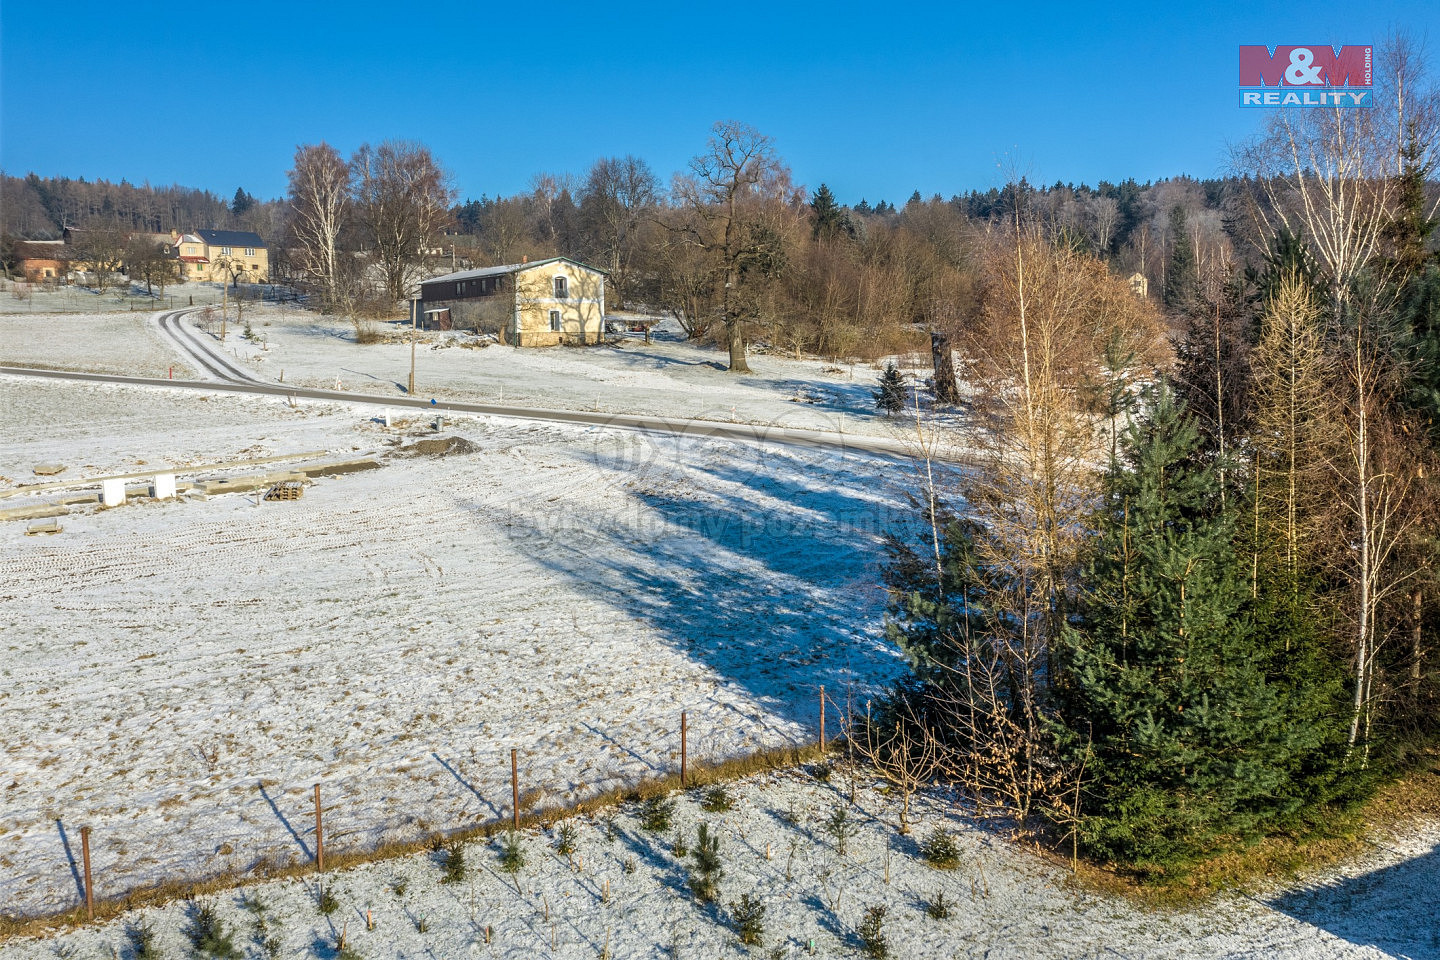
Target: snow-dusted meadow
[622, 892]
[669, 376]
[178, 675]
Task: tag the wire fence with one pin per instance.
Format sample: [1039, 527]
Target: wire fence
[103, 893]
[22, 297]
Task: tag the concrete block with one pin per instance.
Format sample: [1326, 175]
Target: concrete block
[112, 492]
[164, 487]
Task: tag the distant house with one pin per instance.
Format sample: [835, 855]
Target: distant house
[221, 256]
[1139, 285]
[39, 261]
[537, 304]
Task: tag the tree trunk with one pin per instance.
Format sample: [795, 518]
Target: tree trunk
[737, 348]
[1417, 652]
[946, 390]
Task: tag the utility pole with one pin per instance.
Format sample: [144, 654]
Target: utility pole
[414, 317]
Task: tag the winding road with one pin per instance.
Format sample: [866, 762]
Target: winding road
[193, 347]
[225, 376]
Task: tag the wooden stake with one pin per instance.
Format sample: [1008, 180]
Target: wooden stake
[822, 716]
[85, 856]
[683, 728]
[514, 790]
[319, 834]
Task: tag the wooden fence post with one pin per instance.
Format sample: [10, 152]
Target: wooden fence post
[85, 856]
[319, 834]
[514, 790]
[682, 748]
[822, 716]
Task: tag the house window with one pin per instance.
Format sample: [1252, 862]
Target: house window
[249, 251]
[555, 321]
[225, 251]
[562, 288]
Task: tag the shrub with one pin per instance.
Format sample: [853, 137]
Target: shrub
[512, 854]
[749, 915]
[940, 850]
[657, 813]
[366, 331]
[453, 866]
[142, 940]
[840, 828]
[705, 878]
[679, 849]
[325, 901]
[872, 933]
[938, 908]
[344, 950]
[717, 800]
[566, 837]
[207, 933]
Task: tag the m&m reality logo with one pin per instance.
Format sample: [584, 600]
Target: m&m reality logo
[1310, 75]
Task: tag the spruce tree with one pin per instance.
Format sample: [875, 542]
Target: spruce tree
[1182, 280]
[1169, 672]
[890, 396]
[830, 219]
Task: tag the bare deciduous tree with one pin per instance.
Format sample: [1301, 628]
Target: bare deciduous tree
[1331, 176]
[402, 197]
[727, 188]
[147, 261]
[1376, 472]
[319, 197]
[619, 193]
[100, 248]
[901, 748]
[1049, 316]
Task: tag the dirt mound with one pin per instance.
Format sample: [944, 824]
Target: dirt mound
[439, 447]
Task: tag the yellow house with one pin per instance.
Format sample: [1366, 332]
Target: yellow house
[223, 256]
[538, 304]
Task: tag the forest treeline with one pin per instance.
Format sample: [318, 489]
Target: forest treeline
[1180, 604]
[803, 271]
[42, 208]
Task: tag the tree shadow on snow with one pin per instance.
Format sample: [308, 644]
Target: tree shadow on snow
[1395, 909]
[764, 566]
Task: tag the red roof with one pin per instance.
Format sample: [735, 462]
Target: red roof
[194, 259]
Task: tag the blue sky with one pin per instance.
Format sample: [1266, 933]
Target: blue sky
[876, 100]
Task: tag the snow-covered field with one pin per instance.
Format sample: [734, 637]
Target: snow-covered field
[178, 675]
[669, 376]
[123, 343]
[623, 893]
